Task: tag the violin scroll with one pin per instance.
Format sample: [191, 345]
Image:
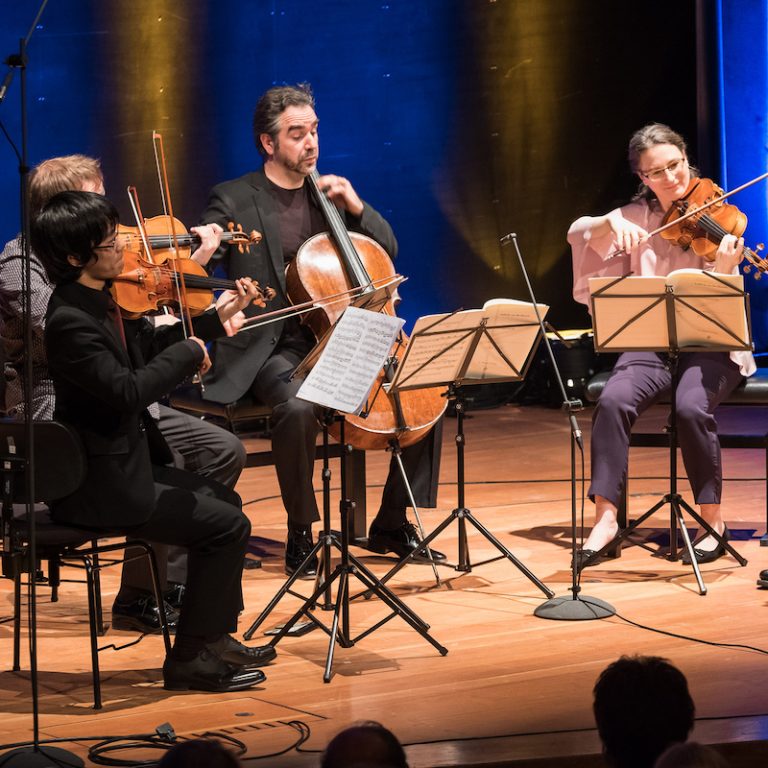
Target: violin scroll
[239, 238]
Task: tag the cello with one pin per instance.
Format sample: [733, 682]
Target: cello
[337, 261]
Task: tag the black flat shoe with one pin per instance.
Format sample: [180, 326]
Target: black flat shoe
[585, 558]
[762, 582]
[703, 556]
[234, 652]
[402, 541]
[142, 615]
[208, 672]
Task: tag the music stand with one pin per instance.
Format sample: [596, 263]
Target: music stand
[688, 311]
[460, 349]
[358, 340]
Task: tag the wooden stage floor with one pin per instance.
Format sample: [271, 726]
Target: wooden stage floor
[514, 688]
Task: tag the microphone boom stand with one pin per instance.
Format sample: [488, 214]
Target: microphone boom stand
[575, 607]
[34, 756]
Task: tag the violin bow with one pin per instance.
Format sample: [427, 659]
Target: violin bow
[335, 298]
[165, 195]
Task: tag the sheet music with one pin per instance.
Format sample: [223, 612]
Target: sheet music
[695, 328]
[440, 343]
[639, 298]
[489, 361]
[348, 367]
[709, 311]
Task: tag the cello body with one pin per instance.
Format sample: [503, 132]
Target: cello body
[321, 268]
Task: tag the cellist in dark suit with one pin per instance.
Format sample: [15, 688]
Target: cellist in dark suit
[103, 388]
[278, 203]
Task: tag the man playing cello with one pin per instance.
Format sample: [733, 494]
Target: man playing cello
[277, 202]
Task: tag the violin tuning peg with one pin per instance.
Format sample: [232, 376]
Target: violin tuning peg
[747, 268]
[758, 275]
[760, 246]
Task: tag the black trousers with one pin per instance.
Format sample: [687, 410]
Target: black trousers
[295, 427]
[207, 450]
[215, 532]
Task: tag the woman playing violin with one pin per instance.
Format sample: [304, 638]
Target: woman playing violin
[658, 156]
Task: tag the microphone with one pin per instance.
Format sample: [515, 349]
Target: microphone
[6, 84]
[508, 238]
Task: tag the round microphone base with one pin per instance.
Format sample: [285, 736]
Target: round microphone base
[574, 609]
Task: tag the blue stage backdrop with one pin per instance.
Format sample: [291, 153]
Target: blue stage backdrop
[744, 133]
[460, 120]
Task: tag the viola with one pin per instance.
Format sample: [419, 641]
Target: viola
[701, 218]
[144, 287]
[332, 264]
[162, 237]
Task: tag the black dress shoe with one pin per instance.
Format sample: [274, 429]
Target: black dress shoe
[762, 582]
[142, 615]
[297, 547]
[703, 556]
[174, 594]
[234, 652]
[209, 672]
[402, 541]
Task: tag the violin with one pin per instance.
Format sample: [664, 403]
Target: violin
[144, 286]
[701, 218]
[163, 236]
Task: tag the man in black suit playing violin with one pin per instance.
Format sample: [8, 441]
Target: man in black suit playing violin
[278, 203]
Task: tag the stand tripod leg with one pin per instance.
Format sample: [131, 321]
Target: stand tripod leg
[712, 532]
[286, 588]
[334, 633]
[409, 557]
[397, 452]
[677, 516]
[504, 551]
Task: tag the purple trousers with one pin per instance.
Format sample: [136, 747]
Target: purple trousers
[637, 381]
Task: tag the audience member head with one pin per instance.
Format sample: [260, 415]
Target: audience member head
[62, 174]
[199, 753]
[642, 706]
[364, 745]
[691, 754]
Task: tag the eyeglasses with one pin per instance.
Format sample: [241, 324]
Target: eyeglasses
[659, 173]
[110, 246]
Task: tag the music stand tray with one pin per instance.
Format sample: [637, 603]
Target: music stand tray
[689, 310]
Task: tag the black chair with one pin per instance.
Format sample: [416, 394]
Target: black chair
[59, 469]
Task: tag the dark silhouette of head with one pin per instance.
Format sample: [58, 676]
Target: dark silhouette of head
[642, 706]
[199, 753]
[364, 745]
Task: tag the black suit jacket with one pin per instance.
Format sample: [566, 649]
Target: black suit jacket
[103, 389]
[248, 201]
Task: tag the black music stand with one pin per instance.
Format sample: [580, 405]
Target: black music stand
[328, 384]
[460, 349]
[704, 312]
